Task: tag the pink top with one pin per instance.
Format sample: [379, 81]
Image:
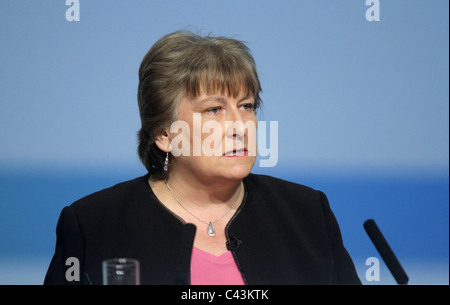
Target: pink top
[208, 269]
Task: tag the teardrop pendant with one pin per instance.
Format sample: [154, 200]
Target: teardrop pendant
[211, 229]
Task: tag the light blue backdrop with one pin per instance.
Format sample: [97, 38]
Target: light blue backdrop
[363, 112]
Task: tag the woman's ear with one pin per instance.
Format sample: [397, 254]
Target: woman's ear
[163, 141]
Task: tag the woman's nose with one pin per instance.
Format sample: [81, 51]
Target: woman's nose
[234, 126]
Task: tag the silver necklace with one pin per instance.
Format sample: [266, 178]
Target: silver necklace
[211, 229]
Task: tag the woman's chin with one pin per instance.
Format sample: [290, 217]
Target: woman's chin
[239, 171]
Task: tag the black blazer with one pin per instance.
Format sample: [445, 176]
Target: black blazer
[283, 233]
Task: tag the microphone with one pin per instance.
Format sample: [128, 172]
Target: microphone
[386, 252]
[233, 243]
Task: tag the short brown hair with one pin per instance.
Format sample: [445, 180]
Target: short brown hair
[183, 63]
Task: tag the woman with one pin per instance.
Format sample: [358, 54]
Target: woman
[200, 216]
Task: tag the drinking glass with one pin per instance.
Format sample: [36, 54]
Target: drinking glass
[121, 271]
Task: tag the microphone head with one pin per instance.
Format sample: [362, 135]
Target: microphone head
[386, 252]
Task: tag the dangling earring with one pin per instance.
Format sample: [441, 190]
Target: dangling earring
[166, 163]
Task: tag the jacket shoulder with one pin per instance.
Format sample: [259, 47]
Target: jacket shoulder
[111, 197]
[265, 182]
[289, 196]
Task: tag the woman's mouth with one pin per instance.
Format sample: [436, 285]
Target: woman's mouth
[237, 153]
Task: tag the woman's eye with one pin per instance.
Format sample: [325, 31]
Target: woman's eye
[213, 110]
[248, 106]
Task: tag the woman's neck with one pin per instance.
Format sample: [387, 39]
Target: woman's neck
[205, 192]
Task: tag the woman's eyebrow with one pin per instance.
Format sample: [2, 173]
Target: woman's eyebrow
[214, 98]
[221, 99]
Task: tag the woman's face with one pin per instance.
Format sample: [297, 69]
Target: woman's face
[214, 136]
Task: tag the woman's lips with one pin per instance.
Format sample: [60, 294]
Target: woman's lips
[236, 153]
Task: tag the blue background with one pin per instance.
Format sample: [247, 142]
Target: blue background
[363, 112]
